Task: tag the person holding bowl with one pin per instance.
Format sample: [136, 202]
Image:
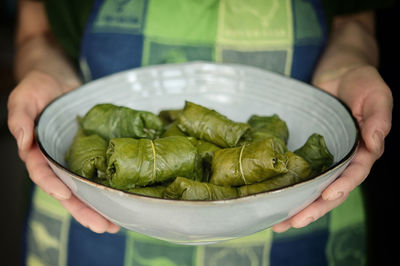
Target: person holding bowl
[61, 46]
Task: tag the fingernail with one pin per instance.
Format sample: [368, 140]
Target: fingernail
[20, 138]
[60, 196]
[96, 229]
[335, 196]
[282, 228]
[378, 140]
[113, 229]
[305, 222]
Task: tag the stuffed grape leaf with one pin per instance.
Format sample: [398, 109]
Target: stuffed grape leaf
[206, 124]
[169, 116]
[151, 191]
[187, 189]
[298, 170]
[267, 126]
[86, 155]
[141, 162]
[316, 153]
[248, 164]
[172, 130]
[206, 152]
[111, 121]
[205, 149]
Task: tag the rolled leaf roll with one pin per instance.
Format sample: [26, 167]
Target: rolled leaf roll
[298, 167]
[205, 149]
[172, 130]
[169, 116]
[87, 155]
[316, 153]
[298, 170]
[205, 124]
[206, 152]
[142, 162]
[112, 121]
[248, 164]
[267, 126]
[187, 189]
[151, 191]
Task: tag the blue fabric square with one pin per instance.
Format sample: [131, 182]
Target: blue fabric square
[108, 53]
[305, 58]
[305, 250]
[88, 248]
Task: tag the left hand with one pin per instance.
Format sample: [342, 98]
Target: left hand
[370, 100]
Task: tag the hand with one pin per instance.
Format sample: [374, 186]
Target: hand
[371, 102]
[25, 103]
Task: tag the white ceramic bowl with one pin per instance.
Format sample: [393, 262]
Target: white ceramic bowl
[236, 91]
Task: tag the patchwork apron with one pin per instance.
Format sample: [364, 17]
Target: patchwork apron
[285, 36]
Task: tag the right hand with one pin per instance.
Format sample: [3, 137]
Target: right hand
[25, 103]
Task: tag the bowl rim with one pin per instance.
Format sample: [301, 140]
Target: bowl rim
[92, 183]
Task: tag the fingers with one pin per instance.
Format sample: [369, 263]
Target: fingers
[282, 226]
[376, 121]
[113, 228]
[21, 117]
[311, 213]
[24, 105]
[353, 176]
[43, 176]
[371, 102]
[88, 217]
[335, 194]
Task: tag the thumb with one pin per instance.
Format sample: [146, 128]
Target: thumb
[376, 122]
[21, 116]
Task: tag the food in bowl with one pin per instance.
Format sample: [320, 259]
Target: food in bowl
[195, 153]
[233, 90]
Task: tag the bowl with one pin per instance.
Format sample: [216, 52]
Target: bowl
[234, 90]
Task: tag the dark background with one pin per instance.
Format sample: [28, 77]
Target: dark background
[380, 186]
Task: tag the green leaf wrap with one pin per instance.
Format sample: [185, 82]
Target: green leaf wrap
[173, 130]
[151, 191]
[206, 152]
[316, 153]
[141, 162]
[205, 124]
[248, 164]
[267, 126]
[186, 189]
[205, 149]
[111, 121]
[169, 116]
[87, 155]
[298, 170]
[202, 155]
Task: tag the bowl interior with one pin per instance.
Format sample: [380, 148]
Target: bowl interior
[235, 91]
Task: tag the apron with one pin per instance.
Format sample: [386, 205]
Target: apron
[285, 36]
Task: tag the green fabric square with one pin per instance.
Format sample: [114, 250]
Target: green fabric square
[44, 239]
[161, 53]
[255, 22]
[275, 60]
[307, 26]
[188, 20]
[146, 251]
[239, 255]
[121, 17]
